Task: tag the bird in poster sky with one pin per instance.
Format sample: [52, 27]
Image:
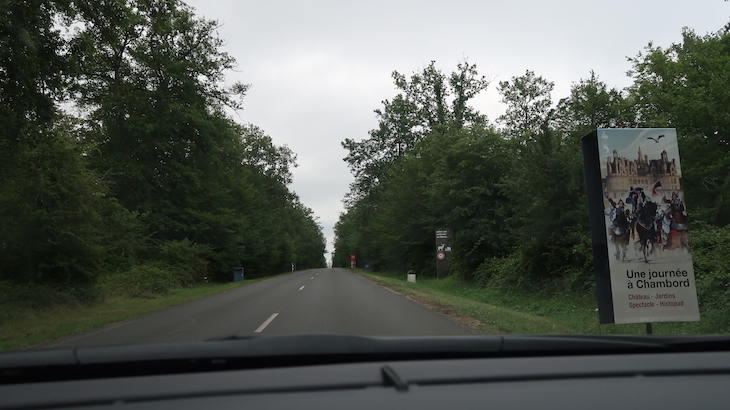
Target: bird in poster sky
[656, 139]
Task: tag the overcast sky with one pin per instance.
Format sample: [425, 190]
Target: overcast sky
[318, 69]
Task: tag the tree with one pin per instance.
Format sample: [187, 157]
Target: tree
[53, 206]
[466, 193]
[687, 86]
[354, 236]
[421, 107]
[202, 190]
[528, 104]
[260, 153]
[430, 90]
[370, 158]
[151, 76]
[308, 241]
[60, 227]
[450, 178]
[592, 105]
[33, 66]
[545, 182]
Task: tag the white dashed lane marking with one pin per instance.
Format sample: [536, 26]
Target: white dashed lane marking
[266, 323]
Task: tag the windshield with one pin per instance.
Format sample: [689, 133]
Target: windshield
[186, 170]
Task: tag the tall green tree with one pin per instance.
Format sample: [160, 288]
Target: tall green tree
[427, 101]
[590, 105]
[56, 214]
[545, 183]
[34, 66]
[266, 158]
[153, 138]
[53, 206]
[687, 86]
[397, 133]
[528, 103]
[151, 75]
[440, 100]
[451, 179]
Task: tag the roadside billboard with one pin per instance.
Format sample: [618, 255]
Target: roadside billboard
[641, 246]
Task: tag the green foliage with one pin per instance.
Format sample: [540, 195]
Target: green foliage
[505, 272]
[186, 259]
[546, 190]
[448, 179]
[515, 197]
[592, 105]
[153, 187]
[52, 207]
[711, 247]
[572, 271]
[145, 280]
[687, 86]
[399, 196]
[528, 104]
[32, 65]
[152, 78]
[165, 266]
[464, 192]
[19, 297]
[421, 107]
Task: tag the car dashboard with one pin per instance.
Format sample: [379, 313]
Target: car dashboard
[376, 378]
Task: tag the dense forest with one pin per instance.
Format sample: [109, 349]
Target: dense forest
[120, 169]
[513, 191]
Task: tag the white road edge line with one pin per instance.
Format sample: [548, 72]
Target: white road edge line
[263, 325]
[301, 288]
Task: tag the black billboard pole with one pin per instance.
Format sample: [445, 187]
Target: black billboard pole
[594, 190]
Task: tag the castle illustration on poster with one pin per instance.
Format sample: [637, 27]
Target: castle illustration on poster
[622, 172]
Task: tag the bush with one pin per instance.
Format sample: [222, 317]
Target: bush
[710, 250]
[518, 271]
[501, 272]
[186, 259]
[17, 299]
[169, 265]
[146, 280]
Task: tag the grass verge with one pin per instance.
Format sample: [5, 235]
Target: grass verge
[33, 326]
[495, 311]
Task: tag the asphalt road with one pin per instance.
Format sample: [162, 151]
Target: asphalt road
[334, 301]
